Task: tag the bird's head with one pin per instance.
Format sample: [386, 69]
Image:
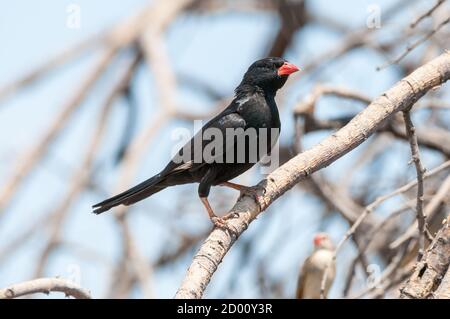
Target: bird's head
[269, 74]
[323, 241]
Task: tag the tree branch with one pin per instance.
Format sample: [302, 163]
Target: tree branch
[44, 285]
[430, 211]
[426, 14]
[120, 37]
[420, 171]
[414, 45]
[431, 269]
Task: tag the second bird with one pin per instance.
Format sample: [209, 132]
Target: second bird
[211, 158]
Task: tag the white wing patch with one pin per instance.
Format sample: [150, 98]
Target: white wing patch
[242, 101]
[184, 166]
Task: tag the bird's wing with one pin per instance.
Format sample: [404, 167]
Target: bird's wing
[302, 278]
[228, 119]
[311, 275]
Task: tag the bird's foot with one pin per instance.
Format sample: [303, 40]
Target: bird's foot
[220, 222]
[249, 191]
[230, 216]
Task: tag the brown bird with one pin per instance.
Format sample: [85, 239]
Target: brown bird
[313, 269]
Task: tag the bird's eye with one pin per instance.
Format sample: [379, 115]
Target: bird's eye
[279, 64]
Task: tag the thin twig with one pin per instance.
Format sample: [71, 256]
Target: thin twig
[430, 211]
[431, 269]
[369, 210]
[40, 147]
[371, 236]
[154, 51]
[411, 47]
[347, 235]
[121, 36]
[390, 269]
[82, 175]
[54, 62]
[420, 171]
[426, 14]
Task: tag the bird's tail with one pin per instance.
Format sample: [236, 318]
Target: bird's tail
[133, 195]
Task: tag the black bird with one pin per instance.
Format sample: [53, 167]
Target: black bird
[252, 112]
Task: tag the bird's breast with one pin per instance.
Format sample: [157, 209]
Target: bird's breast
[321, 258]
[259, 112]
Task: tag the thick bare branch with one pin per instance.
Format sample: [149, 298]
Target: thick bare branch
[431, 269]
[48, 66]
[443, 291]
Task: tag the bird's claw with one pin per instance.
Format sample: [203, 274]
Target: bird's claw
[231, 216]
[220, 222]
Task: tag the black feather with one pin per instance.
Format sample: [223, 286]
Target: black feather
[253, 107]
